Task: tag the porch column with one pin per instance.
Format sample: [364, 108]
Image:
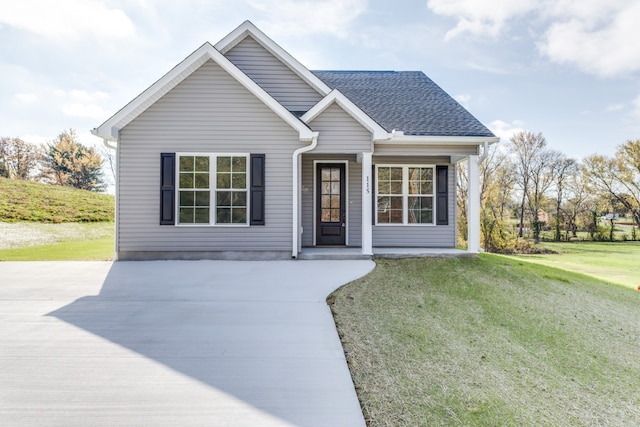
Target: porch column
[367, 195]
[473, 203]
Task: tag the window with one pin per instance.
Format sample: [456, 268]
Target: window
[212, 189]
[405, 194]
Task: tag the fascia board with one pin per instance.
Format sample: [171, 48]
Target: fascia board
[444, 140]
[129, 112]
[247, 28]
[352, 109]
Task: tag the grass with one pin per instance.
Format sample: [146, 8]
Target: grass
[30, 241]
[32, 201]
[490, 341]
[614, 262]
[74, 250]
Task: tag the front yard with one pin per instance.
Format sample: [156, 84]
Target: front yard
[490, 341]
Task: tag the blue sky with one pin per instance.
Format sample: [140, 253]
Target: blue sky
[567, 68]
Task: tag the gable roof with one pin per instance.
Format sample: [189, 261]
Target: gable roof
[406, 101]
[247, 29]
[109, 129]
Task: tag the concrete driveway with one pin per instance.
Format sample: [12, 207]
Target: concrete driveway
[176, 343]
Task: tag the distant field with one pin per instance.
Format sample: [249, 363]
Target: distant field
[614, 262]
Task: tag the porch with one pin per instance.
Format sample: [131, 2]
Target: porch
[355, 253]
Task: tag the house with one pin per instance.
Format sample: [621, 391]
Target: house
[240, 151]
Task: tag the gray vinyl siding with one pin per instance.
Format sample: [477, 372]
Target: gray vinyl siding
[428, 236]
[425, 150]
[340, 133]
[209, 112]
[354, 203]
[273, 76]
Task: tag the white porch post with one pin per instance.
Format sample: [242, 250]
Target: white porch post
[473, 203]
[367, 195]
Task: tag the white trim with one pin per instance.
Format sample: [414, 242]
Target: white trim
[398, 138]
[346, 195]
[473, 207]
[405, 195]
[378, 133]
[367, 202]
[110, 128]
[248, 29]
[213, 157]
[296, 195]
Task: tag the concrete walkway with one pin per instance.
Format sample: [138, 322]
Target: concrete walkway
[174, 343]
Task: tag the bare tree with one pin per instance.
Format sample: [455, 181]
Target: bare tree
[526, 149]
[543, 169]
[19, 158]
[566, 169]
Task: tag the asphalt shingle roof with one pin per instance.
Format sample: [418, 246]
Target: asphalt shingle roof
[408, 101]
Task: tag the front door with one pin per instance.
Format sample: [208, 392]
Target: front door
[330, 204]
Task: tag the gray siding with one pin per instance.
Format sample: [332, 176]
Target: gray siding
[208, 112]
[425, 150]
[339, 132]
[273, 76]
[432, 236]
[354, 179]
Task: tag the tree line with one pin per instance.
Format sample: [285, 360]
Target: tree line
[527, 190]
[62, 161]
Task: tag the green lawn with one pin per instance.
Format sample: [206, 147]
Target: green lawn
[615, 262]
[101, 249]
[32, 241]
[490, 341]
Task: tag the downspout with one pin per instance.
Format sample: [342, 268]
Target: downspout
[296, 192]
[114, 147]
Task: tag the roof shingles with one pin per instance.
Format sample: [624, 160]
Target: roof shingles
[407, 101]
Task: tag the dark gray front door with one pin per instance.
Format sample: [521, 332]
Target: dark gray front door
[330, 204]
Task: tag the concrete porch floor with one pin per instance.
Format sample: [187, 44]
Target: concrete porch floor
[352, 253]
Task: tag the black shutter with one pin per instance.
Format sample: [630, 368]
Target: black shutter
[257, 189]
[442, 195]
[167, 188]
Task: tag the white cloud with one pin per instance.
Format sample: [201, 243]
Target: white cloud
[26, 98]
[298, 17]
[615, 107]
[479, 18]
[598, 36]
[81, 103]
[66, 19]
[504, 129]
[463, 99]
[606, 46]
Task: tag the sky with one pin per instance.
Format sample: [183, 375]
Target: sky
[569, 69]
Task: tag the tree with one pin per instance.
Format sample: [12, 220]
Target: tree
[566, 168]
[526, 148]
[18, 158]
[68, 162]
[618, 176]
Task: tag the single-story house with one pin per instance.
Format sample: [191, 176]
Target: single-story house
[241, 151]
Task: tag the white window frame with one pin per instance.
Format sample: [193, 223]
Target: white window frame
[213, 163]
[405, 195]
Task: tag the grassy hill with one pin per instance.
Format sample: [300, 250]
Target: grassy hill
[35, 202]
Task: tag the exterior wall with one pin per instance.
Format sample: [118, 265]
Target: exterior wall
[273, 76]
[354, 203]
[339, 132]
[428, 236]
[208, 112]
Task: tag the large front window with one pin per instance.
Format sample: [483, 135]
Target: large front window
[212, 189]
[405, 194]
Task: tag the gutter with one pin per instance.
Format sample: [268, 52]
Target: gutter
[296, 193]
